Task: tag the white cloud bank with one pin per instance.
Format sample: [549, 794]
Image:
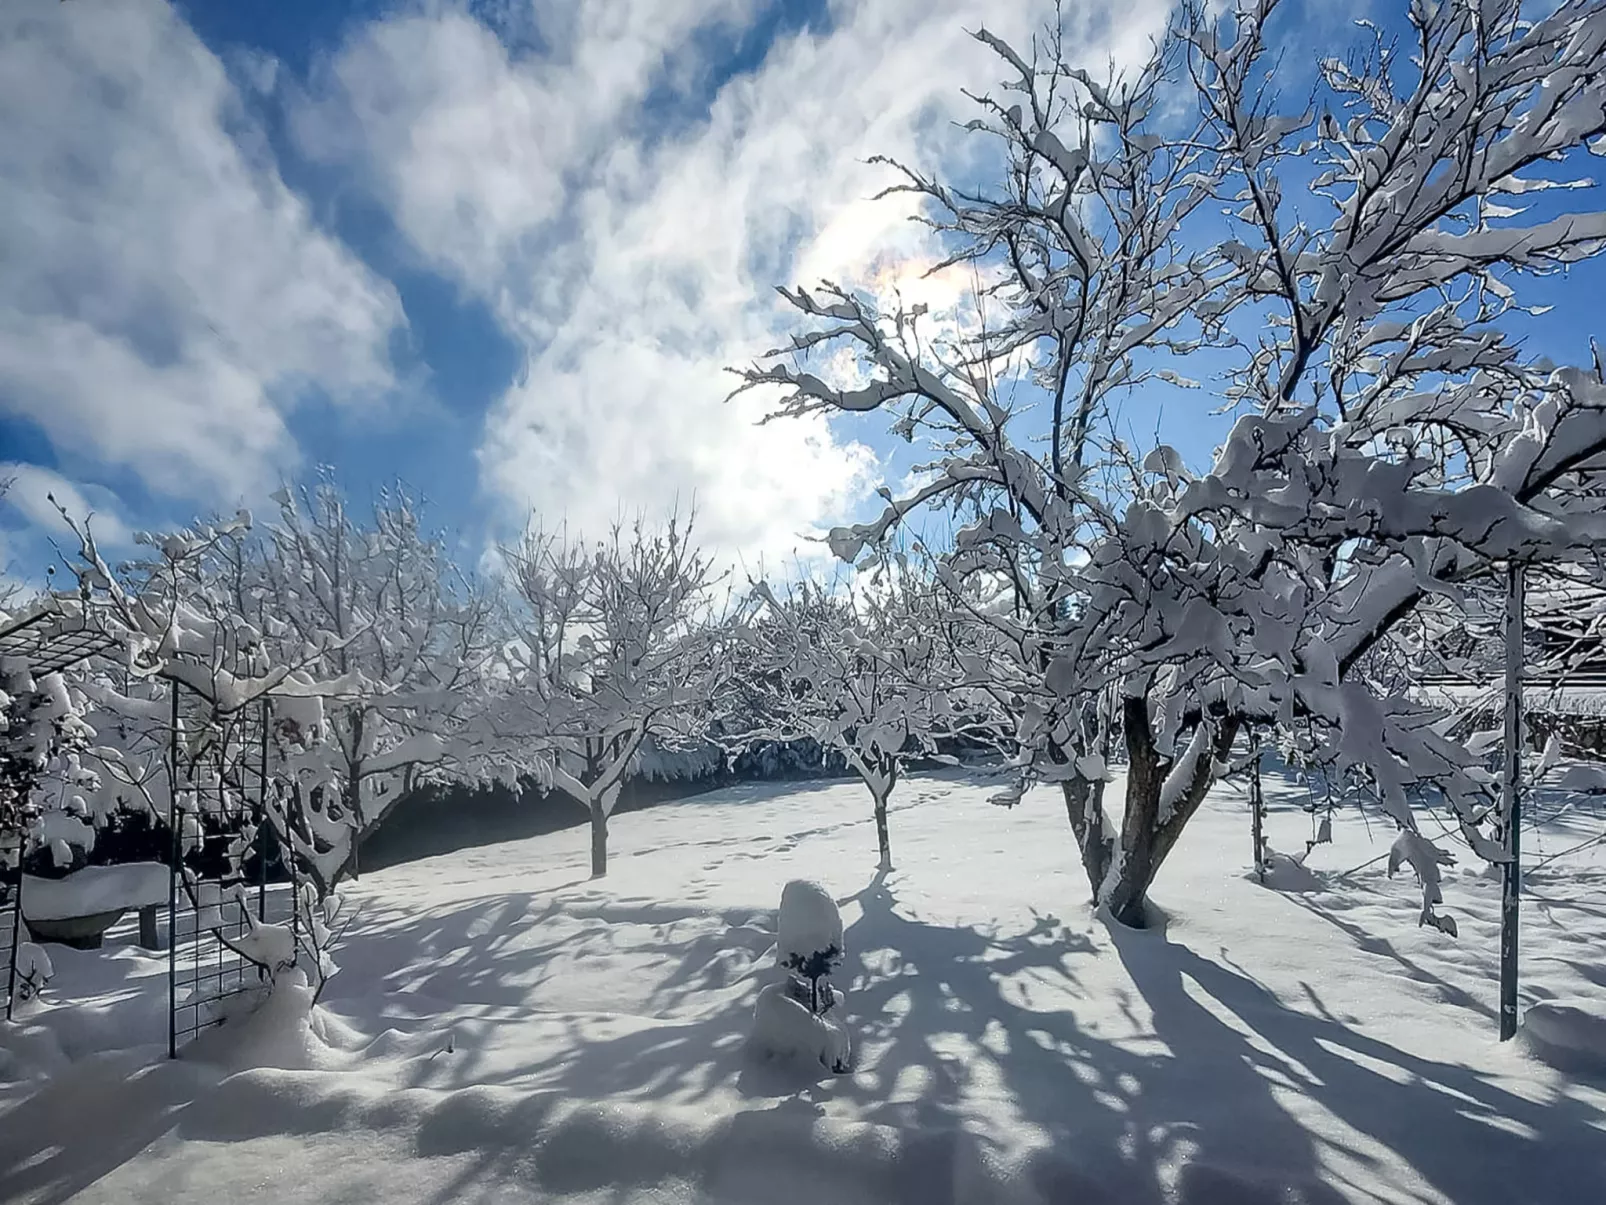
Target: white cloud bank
[637, 264]
[164, 298]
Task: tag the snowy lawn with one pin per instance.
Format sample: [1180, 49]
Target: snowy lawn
[505, 1030]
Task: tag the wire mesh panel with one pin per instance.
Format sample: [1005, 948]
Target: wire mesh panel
[211, 922]
[223, 858]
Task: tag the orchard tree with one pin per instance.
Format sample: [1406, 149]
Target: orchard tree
[869, 673]
[369, 597]
[1393, 442]
[611, 643]
[172, 706]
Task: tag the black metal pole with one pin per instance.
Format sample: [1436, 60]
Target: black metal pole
[1257, 807]
[262, 823]
[173, 855]
[292, 821]
[16, 932]
[1511, 887]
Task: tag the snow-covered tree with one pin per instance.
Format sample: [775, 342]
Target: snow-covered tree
[178, 703]
[1394, 442]
[611, 643]
[371, 599]
[869, 673]
[43, 778]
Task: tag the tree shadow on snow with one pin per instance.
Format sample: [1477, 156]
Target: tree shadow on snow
[950, 1014]
[1228, 1096]
[89, 1120]
[1237, 1048]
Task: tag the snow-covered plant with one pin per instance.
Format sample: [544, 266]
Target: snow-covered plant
[808, 938]
[373, 601]
[611, 642]
[43, 778]
[868, 673]
[1394, 442]
[34, 970]
[198, 671]
[800, 1018]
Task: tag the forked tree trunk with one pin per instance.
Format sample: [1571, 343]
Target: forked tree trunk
[882, 841]
[599, 841]
[1121, 871]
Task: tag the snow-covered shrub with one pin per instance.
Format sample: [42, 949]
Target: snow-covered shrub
[800, 1018]
[34, 970]
[43, 781]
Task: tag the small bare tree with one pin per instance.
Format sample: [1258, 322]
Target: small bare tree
[610, 644]
[868, 673]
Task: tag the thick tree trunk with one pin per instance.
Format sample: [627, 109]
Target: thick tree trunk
[1128, 898]
[1147, 837]
[882, 840]
[599, 841]
[350, 868]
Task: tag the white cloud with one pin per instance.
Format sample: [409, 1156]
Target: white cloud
[166, 299]
[636, 267]
[31, 488]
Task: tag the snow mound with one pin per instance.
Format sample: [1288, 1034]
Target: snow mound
[784, 1030]
[272, 946]
[1570, 1035]
[1587, 777]
[279, 1027]
[29, 1052]
[95, 889]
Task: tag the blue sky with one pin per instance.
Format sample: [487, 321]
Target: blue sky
[501, 250]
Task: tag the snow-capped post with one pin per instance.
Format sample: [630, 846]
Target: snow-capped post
[611, 644]
[1511, 802]
[1393, 442]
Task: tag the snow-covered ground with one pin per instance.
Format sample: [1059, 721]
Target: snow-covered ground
[505, 1030]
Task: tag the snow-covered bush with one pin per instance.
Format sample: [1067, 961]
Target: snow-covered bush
[800, 1017]
[808, 937]
[34, 970]
[43, 776]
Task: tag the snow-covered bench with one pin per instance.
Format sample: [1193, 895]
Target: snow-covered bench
[78, 910]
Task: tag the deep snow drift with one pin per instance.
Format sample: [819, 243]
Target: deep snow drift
[505, 1030]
